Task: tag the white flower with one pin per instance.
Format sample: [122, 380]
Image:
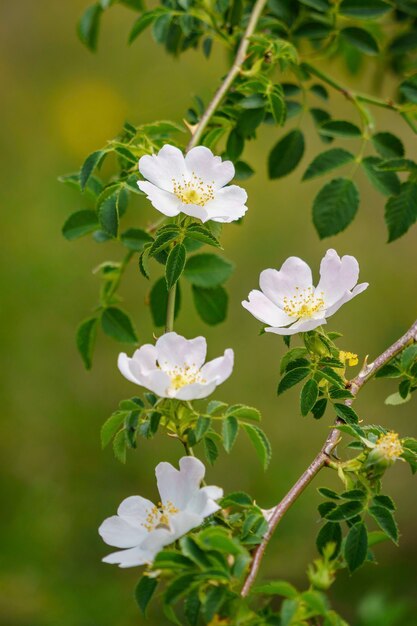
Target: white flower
[174, 367]
[194, 184]
[289, 303]
[143, 528]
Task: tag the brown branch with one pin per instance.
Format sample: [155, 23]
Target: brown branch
[231, 75]
[366, 373]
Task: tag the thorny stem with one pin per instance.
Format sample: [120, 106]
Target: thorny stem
[217, 98]
[323, 457]
[231, 75]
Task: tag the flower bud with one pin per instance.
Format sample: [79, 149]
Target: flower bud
[321, 575]
[386, 451]
[316, 344]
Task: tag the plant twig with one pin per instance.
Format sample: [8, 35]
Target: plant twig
[231, 75]
[366, 373]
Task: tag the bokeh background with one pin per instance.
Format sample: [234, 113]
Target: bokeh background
[60, 102]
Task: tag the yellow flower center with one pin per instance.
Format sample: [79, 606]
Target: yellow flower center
[181, 376]
[193, 190]
[303, 304]
[158, 516]
[350, 357]
[389, 446]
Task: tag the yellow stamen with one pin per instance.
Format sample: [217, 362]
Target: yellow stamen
[181, 376]
[389, 446]
[158, 516]
[304, 303]
[350, 357]
[193, 190]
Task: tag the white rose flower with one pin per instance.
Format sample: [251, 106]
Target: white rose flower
[174, 367]
[193, 184]
[288, 301]
[143, 528]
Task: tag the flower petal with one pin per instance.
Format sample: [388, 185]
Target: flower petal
[164, 201]
[219, 369]
[180, 486]
[161, 168]
[117, 532]
[203, 503]
[130, 558]
[135, 510]
[294, 273]
[348, 295]
[228, 205]
[159, 382]
[183, 522]
[195, 391]
[301, 326]
[337, 275]
[123, 363]
[265, 310]
[174, 350]
[201, 161]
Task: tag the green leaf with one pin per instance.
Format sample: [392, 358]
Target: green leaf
[179, 587]
[292, 378]
[86, 335]
[320, 91]
[211, 304]
[89, 165]
[335, 207]
[237, 498]
[111, 426]
[243, 170]
[385, 501]
[387, 183]
[346, 413]
[408, 89]
[385, 520]
[331, 532]
[408, 356]
[119, 446]
[79, 224]
[277, 588]
[388, 145]
[367, 9]
[260, 442]
[286, 154]
[288, 611]
[207, 270]
[340, 128]
[235, 144]
[135, 239]
[144, 591]
[309, 395]
[345, 511]
[108, 214]
[175, 264]
[248, 121]
[404, 43]
[401, 211]
[327, 161]
[230, 429]
[158, 300]
[89, 25]
[319, 408]
[164, 238]
[118, 325]
[201, 427]
[210, 450]
[243, 412]
[360, 39]
[395, 399]
[277, 104]
[356, 546]
[202, 234]
[145, 20]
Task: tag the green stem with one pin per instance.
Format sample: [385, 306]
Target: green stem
[351, 95]
[169, 324]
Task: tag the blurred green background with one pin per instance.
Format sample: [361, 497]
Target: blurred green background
[59, 102]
